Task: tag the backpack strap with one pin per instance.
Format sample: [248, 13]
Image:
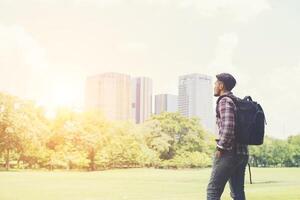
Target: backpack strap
[248, 98]
[230, 96]
[250, 173]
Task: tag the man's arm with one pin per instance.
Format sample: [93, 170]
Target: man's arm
[227, 116]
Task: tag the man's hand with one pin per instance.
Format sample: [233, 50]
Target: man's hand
[219, 153]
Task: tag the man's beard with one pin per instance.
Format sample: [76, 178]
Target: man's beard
[216, 95]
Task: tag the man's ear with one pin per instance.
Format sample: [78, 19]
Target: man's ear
[221, 86]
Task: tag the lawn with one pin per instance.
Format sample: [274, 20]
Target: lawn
[142, 184]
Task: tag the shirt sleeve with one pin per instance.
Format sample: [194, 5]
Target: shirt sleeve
[226, 109]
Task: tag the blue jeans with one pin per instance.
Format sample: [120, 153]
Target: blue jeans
[229, 167]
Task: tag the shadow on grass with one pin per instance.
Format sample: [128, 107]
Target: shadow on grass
[265, 182]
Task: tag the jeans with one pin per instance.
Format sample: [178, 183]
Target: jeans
[229, 167]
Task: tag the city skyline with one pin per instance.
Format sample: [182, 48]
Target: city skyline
[110, 93]
[255, 40]
[119, 96]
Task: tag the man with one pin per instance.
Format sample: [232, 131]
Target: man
[231, 158]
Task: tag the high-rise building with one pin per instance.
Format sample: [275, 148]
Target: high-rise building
[111, 94]
[166, 103]
[141, 105]
[195, 98]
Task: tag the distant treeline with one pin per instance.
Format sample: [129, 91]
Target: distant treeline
[88, 141]
[276, 153]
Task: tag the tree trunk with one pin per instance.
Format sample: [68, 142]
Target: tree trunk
[92, 159]
[19, 160]
[7, 160]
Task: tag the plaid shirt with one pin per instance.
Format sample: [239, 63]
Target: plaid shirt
[226, 110]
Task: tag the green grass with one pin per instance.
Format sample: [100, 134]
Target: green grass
[142, 184]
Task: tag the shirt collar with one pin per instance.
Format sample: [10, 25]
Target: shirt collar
[227, 93]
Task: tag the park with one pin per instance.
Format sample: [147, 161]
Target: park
[142, 184]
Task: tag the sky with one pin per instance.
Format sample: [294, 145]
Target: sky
[49, 47]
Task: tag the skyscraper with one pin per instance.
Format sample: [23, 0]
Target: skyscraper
[196, 98]
[111, 94]
[166, 103]
[141, 105]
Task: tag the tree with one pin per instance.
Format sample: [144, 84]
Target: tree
[21, 128]
[294, 143]
[173, 134]
[11, 125]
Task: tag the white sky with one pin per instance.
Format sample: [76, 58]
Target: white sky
[48, 47]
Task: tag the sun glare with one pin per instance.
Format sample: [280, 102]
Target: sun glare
[62, 94]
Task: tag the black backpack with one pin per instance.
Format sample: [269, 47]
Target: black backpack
[250, 121]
